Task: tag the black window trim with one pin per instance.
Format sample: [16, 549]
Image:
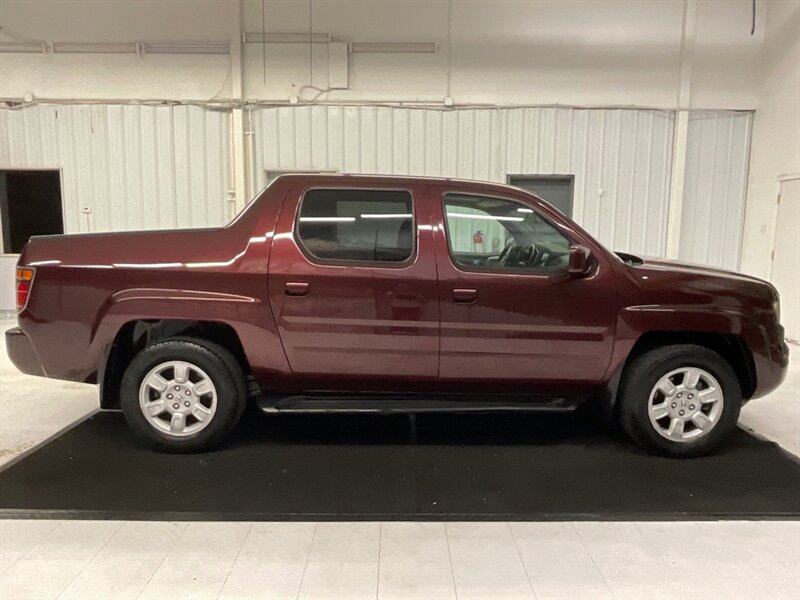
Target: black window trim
[332, 262]
[501, 270]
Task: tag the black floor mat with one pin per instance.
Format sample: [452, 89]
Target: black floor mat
[350, 467]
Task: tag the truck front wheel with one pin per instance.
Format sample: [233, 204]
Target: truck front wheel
[182, 394]
[680, 401]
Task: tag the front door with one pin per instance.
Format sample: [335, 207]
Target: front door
[512, 318]
[352, 284]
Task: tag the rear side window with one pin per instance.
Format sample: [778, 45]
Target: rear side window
[357, 225]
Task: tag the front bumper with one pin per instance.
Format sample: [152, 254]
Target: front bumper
[771, 361]
[780, 362]
[21, 352]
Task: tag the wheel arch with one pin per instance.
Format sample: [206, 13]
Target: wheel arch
[731, 347]
[136, 334]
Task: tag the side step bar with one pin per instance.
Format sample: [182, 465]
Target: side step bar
[388, 404]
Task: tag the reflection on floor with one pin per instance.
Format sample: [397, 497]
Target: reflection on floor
[112, 559]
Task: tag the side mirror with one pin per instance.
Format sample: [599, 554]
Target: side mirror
[580, 260]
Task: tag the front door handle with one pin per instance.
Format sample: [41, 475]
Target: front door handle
[465, 296]
[296, 288]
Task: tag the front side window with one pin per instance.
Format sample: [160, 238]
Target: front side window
[496, 234]
[357, 225]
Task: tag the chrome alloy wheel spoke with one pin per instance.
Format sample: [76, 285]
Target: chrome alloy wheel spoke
[685, 404]
[178, 398]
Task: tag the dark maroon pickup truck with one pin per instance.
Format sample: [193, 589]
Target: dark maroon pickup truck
[394, 294]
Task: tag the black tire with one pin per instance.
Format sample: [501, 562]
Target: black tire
[641, 376]
[223, 370]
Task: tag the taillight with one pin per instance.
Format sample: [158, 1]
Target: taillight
[24, 283]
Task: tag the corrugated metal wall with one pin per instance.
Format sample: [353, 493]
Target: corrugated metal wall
[145, 167]
[717, 157]
[621, 158]
[135, 166]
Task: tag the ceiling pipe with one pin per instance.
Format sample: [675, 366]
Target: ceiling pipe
[116, 47]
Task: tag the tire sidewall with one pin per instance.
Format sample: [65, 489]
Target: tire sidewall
[229, 402]
[639, 388]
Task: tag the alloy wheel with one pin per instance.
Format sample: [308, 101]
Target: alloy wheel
[178, 398]
[685, 404]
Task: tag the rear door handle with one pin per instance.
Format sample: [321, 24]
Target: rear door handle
[296, 288]
[465, 296]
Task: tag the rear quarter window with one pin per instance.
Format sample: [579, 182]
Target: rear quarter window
[352, 225]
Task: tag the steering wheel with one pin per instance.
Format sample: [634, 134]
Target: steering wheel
[501, 260]
[526, 254]
[530, 255]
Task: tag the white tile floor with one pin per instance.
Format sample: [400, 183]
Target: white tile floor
[112, 559]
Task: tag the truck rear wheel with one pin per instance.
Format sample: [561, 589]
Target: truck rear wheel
[183, 395]
[680, 401]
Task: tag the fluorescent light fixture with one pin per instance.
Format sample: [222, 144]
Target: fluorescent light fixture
[395, 47]
[187, 48]
[524, 210]
[24, 47]
[94, 48]
[206, 265]
[166, 265]
[44, 262]
[387, 216]
[90, 266]
[327, 219]
[286, 38]
[484, 217]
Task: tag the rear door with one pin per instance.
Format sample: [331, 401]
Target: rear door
[352, 284]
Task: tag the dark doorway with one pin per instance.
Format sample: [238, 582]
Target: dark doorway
[555, 189]
[30, 204]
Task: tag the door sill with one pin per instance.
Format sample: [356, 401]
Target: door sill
[408, 403]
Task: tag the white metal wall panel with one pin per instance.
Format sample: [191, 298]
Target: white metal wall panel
[717, 156]
[621, 159]
[147, 167]
[135, 166]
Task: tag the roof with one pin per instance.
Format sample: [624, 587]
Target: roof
[370, 178]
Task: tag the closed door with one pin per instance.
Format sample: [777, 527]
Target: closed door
[785, 272]
[352, 285]
[513, 320]
[556, 190]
